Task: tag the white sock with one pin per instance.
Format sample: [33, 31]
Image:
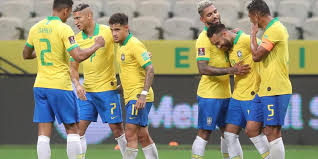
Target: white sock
[84, 146]
[198, 148]
[224, 149]
[130, 153]
[122, 142]
[150, 151]
[262, 145]
[43, 147]
[74, 148]
[277, 149]
[235, 149]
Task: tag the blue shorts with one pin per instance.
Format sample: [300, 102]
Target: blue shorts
[212, 113]
[275, 108]
[106, 104]
[51, 103]
[239, 112]
[137, 117]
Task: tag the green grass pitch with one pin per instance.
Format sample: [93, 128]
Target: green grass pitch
[165, 152]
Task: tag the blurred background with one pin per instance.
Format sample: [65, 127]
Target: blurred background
[168, 28]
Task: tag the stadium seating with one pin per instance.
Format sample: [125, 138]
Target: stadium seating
[310, 29]
[293, 8]
[10, 28]
[16, 9]
[292, 25]
[158, 9]
[233, 12]
[146, 28]
[43, 8]
[229, 12]
[119, 6]
[103, 20]
[186, 9]
[178, 28]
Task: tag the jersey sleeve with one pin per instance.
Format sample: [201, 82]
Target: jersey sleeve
[29, 42]
[68, 38]
[142, 56]
[271, 38]
[202, 49]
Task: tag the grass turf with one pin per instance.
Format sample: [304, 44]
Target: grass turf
[165, 152]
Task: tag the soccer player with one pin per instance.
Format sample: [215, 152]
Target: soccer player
[214, 87]
[275, 87]
[99, 94]
[136, 75]
[243, 112]
[51, 39]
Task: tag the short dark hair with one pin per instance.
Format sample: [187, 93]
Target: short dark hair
[215, 29]
[80, 7]
[61, 4]
[118, 18]
[259, 6]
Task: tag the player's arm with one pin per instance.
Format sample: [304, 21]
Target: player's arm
[80, 90]
[141, 102]
[259, 52]
[237, 69]
[28, 52]
[80, 55]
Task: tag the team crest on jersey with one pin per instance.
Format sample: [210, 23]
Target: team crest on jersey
[239, 54]
[122, 57]
[72, 39]
[201, 51]
[209, 121]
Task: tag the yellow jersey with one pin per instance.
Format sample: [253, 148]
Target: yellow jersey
[99, 70]
[133, 58]
[245, 86]
[274, 68]
[212, 86]
[52, 39]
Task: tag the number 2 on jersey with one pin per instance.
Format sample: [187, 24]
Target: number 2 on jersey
[48, 50]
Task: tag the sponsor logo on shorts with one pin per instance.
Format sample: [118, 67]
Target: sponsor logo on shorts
[72, 39]
[209, 121]
[113, 117]
[269, 119]
[131, 118]
[201, 51]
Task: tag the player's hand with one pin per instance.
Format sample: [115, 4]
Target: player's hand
[80, 91]
[141, 102]
[241, 69]
[150, 55]
[100, 41]
[119, 89]
[254, 29]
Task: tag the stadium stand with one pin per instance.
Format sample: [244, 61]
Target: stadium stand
[43, 8]
[158, 9]
[10, 28]
[292, 8]
[234, 12]
[309, 29]
[178, 28]
[16, 9]
[151, 28]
